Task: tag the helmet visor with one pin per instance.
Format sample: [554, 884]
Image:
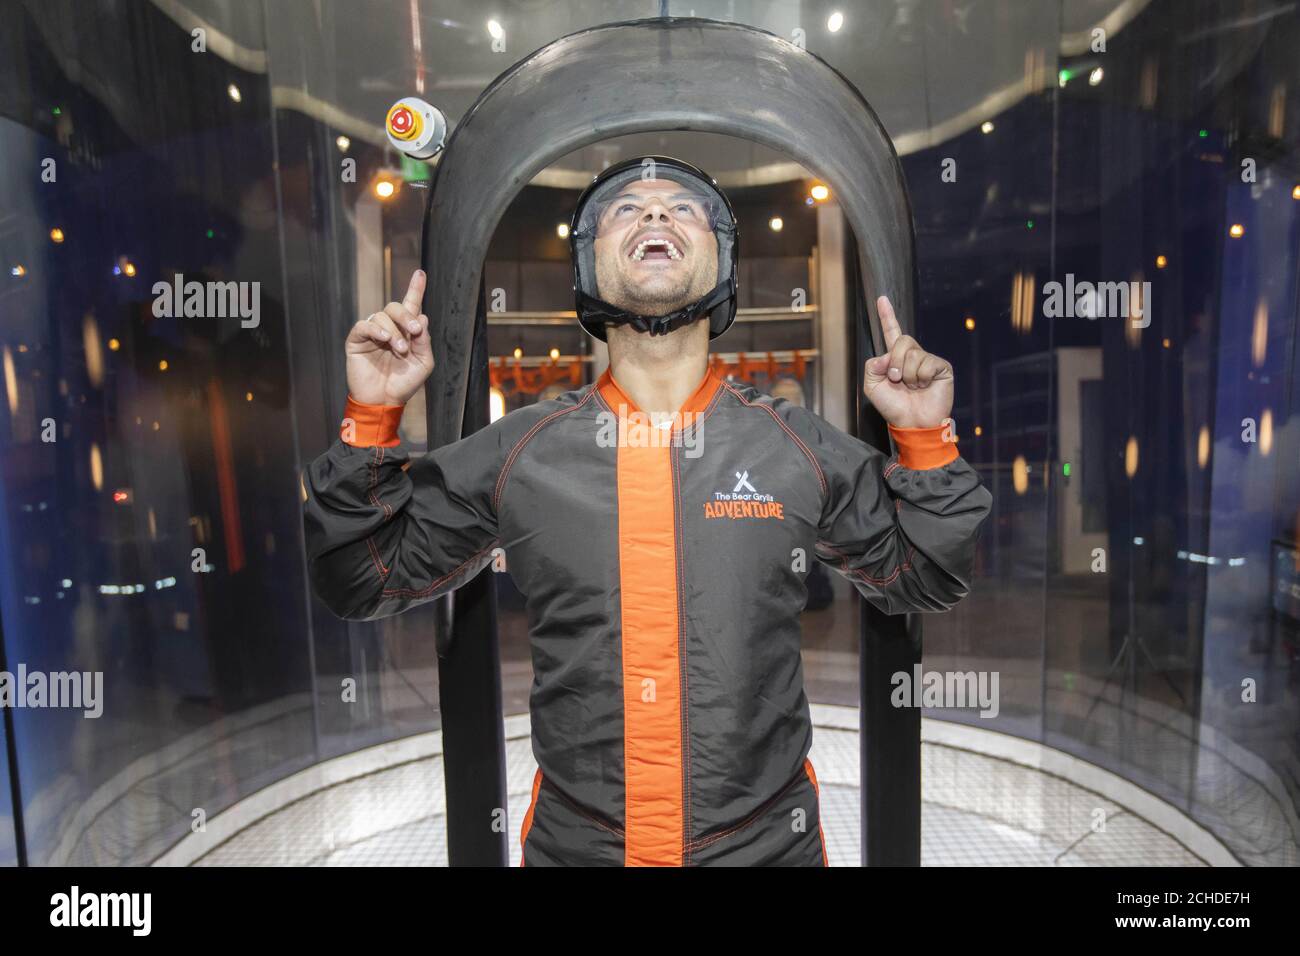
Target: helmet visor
[616, 207]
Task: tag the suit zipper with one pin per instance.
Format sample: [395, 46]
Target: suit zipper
[683, 706]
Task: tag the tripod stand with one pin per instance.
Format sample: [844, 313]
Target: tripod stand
[1126, 659]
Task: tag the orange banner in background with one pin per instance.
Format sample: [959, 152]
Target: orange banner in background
[531, 379]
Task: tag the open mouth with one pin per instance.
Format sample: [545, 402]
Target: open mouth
[655, 248]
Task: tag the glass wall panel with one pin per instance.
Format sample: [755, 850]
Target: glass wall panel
[152, 538]
[1107, 206]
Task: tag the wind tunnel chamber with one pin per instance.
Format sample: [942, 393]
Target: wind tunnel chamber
[678, 74]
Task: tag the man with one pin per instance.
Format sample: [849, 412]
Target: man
[663, 553]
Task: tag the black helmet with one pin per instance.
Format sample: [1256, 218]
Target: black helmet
[719, 305]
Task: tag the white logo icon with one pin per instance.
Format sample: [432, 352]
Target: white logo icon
[743, 483]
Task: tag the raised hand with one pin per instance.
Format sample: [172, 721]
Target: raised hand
[908, 386]
[389, 353]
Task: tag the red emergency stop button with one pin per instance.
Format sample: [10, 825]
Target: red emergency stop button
[403, 122]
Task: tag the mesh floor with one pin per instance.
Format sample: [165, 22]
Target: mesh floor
[976, 811]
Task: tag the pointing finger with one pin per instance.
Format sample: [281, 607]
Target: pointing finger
[415, 293]
[889, 326]
[421, 341]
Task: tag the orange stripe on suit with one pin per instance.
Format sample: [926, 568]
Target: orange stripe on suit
[653, 719]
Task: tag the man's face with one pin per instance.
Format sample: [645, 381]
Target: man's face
[655, 250]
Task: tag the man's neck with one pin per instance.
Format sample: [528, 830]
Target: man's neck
[659, 372]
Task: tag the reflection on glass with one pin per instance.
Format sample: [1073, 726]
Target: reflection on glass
[1138, 580]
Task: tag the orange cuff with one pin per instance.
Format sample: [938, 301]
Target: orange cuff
[365, 426]
[921, 448]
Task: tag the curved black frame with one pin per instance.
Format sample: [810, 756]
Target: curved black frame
[639, 76]
[667, 73]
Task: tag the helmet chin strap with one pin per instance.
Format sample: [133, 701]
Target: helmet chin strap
[601, 311]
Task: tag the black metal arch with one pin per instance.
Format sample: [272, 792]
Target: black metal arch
[650, 76]
[640, 76]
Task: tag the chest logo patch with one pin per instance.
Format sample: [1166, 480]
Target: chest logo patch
[744, 501]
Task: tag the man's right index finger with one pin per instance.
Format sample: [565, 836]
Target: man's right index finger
[415, 293]
[889, 326]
